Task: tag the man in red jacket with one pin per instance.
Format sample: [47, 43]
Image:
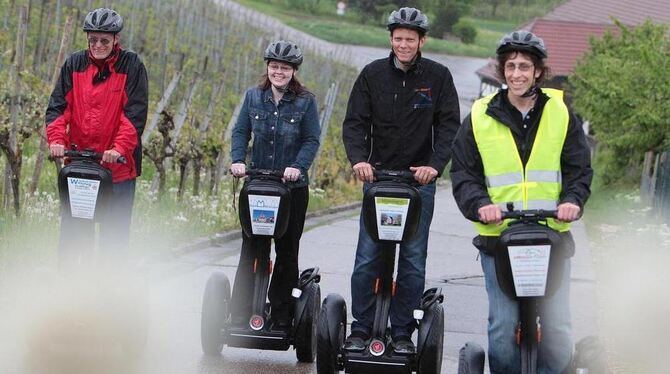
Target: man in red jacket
[100, 102]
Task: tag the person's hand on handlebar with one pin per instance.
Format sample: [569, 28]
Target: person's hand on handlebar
[57, 150]
[567, 212]
[423, 174]
[291, 174]
[110, 155]
[490, 214]
[238, 169]
[363, 171]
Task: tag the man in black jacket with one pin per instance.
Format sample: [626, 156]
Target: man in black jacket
[522, 146]
[402, 115]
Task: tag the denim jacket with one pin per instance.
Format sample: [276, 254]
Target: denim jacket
[285, 135]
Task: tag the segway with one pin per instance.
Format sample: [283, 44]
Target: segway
[264, 210]
[391, 211]
[529, 266]
[89, 303]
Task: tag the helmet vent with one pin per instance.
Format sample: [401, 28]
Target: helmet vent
[413, 16]
[287, 49]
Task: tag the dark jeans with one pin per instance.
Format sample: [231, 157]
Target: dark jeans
[285, 272]
[410, 278]
[77, 235]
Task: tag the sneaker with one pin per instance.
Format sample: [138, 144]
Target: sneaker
[356, 342]
[403, 345]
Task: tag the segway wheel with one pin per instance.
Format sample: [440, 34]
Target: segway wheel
[305, 332]
[332, 329]
[471, 359]
[430, 351]
[215, 311]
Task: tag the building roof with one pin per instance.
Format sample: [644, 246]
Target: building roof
[566, 41]
[629, 12]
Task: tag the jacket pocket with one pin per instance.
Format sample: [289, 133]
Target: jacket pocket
[291, 123]
[258, 120]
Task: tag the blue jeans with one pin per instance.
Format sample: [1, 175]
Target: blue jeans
[555, 350]
[410, 278]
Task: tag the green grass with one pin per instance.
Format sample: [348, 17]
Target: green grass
[349, 30]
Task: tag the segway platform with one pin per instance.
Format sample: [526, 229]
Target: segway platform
[378, 357]
[240, 337]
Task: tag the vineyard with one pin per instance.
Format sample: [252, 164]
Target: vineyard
[200, 58]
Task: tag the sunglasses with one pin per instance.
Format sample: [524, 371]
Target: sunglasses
[93, 41]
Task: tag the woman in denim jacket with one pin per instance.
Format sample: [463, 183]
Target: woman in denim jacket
[283, 117]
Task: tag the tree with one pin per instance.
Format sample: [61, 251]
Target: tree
[622, 86]
[447, 14]
[373, 9]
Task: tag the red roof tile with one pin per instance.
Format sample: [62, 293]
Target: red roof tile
[629, 12]
[566, 42]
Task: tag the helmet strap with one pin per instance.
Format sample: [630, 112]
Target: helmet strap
[532, 91]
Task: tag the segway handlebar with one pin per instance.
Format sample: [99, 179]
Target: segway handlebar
[534, 214]
[90, 155]
[265, 173]
[394, 175]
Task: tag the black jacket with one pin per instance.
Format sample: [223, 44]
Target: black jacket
[467, 171]
[396, 120]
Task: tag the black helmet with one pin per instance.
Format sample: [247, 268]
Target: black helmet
[103, 20]
[410, 18]
[284, 51]
[522, 40]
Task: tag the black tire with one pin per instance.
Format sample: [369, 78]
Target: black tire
[471, 359]
[430, 352]
[332, 329]
[215, 311]
[305, 332]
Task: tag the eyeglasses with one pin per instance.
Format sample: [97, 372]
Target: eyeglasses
[93, 40]
[283, 68]
[523, 67]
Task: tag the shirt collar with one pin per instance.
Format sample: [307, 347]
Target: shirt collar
[416, 64]
[267, 95]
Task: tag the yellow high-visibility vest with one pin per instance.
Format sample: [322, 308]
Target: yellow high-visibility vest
[538, 185]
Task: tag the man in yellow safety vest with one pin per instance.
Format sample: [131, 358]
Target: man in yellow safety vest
[522, 145]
